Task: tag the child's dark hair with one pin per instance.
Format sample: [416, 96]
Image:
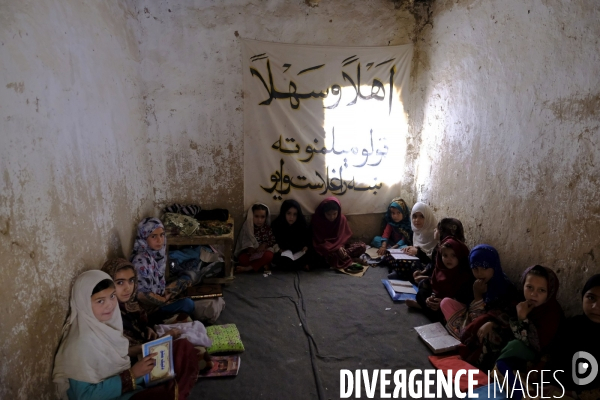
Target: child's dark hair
[330, 206]
[538, 270]
[451, 227]
[103, 285]
[259, 207]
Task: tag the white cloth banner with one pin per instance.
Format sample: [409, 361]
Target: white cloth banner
[324, 121]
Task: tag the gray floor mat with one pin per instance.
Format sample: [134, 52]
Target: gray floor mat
[300, 328]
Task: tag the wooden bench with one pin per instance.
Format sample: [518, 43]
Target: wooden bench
[225, 240]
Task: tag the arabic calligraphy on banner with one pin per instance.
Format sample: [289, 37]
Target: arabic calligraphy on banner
[324, 121]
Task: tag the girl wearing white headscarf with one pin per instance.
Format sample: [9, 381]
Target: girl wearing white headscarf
[423, 224]
[254, 247]
[92, 361]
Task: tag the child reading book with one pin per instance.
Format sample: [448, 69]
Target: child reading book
[292, 235]
[397, 232]
[423, 224]
[331, 235]
[254, 248]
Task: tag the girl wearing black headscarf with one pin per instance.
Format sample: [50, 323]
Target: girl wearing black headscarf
[292, 236]
[580, 334]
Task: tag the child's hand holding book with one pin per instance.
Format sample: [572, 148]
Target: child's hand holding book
[144, 366]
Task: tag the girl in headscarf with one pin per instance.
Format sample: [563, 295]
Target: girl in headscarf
[291, 233]
[451, 277]
[538, 315]
[92, 361]
[137, 330]
[331, 234]
[423, 224]
[150, 262]
[534, 324]
[446, 227]
[580, 333]
[397, 232]
[491, 290]
[254, 248]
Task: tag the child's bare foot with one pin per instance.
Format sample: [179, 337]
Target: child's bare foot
[413, 304]
[240, 268]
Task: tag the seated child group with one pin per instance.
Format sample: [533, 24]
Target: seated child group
[503, 326]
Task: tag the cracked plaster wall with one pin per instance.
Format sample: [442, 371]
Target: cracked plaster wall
[75, 171]
[110, 110]
[507, 116]
[192, 64]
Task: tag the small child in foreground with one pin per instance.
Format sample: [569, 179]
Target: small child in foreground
[254, 248]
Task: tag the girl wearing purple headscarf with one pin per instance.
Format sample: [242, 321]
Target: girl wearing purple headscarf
[150, 263]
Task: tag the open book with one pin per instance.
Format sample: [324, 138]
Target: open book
[293, 256]
[437, 338]
[223, 366]
[398, 254]
[400, 290]
[372, 252]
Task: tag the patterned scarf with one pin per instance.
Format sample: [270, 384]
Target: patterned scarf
[403, 227]
[113, 266]
[150, 265]
[134, 318]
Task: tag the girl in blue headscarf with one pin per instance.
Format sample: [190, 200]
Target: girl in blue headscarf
[490, 290]
[397, 232]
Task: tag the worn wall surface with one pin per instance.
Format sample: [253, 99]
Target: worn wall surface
[192, 64]
[75, 171]
[109, 110]
[507, 114]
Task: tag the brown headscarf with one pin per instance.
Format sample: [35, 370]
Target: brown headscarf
[113, 266]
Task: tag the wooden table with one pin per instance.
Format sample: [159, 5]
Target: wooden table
[225, 240]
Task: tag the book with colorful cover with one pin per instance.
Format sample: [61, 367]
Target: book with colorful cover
[223, 366]
[400, 290]
[204, 292]
[163, 370]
